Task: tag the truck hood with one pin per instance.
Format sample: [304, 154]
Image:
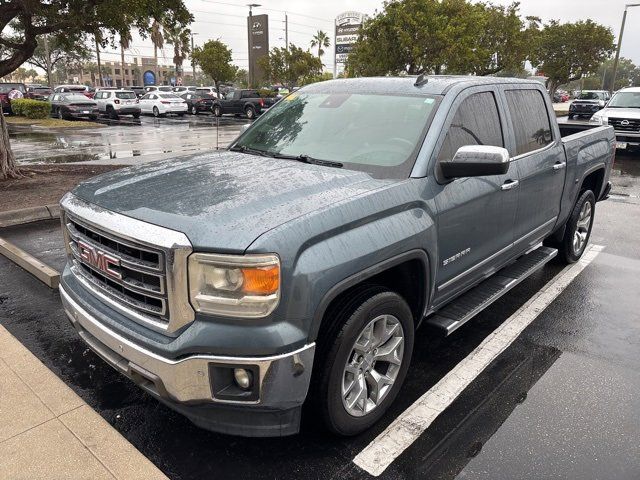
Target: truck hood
[629, 113]
[224, 200]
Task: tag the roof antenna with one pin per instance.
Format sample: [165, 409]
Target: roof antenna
[421, 80]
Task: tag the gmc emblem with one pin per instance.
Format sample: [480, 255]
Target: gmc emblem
[99, 260]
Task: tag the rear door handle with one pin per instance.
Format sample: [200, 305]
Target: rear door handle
[559, 165]
[510, 184]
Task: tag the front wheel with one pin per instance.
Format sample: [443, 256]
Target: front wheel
[60, 114]
[364, 360]
[217, 111]
[570, 116]
[250, 112]
[578, 229]
[136, 115]
[194, 110]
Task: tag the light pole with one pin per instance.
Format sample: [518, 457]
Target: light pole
[251, 6]
[193, 62]
[615, 64]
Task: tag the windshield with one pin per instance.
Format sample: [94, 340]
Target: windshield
[379, 134]
[129, 95]
[7, 87]
[625, 100]
[591, 96]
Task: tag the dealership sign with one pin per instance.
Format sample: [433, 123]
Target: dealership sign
[347, 27]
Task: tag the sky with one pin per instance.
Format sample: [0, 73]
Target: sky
[226, 20]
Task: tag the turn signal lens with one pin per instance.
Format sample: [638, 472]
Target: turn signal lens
[261, 281]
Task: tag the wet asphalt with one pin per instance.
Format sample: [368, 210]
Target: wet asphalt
[562, 401]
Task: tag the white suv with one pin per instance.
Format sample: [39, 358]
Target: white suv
[118, 102]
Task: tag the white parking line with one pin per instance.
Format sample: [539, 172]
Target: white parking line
[409, 425]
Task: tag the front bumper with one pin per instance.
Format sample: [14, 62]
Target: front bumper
[192, 385]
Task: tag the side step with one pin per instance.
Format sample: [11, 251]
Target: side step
[464, 308]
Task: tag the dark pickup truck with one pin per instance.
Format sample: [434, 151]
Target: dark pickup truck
[235, 285]
[247, 102]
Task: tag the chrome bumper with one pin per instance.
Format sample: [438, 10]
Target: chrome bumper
[283, 380]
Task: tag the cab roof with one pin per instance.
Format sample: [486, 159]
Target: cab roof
[430, 85]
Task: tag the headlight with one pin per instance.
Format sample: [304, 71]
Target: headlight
[234, 285]
[598, 120]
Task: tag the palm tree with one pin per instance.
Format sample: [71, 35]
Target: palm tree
[125, 43]
[179, 38]
[320, 40]
[158, 42]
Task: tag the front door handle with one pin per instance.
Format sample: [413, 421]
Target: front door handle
[509, 184]
[559, 165]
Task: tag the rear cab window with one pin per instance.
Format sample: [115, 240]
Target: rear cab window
[530, 120]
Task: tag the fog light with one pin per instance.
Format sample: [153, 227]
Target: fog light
[242, 378]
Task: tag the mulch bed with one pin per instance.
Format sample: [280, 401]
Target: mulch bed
[45, 184]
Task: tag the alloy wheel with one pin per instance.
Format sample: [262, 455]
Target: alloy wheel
[373, 365]
[582, 228]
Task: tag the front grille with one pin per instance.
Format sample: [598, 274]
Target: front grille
[136, 277]
[625, 124]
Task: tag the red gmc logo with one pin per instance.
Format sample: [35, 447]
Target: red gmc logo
[99, 260]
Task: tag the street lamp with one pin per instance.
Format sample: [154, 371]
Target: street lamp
[251, 6]
[615, 64]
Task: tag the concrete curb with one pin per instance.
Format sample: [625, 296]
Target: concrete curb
[31, 264]
[28, 215]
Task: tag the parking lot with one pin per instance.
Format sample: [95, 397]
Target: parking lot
[560, 402]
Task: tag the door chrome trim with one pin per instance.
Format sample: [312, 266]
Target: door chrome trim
[509, 185]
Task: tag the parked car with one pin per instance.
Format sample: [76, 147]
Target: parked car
[246, 101]
[588, 103]
[118, 102]
[73, 105]
[198, 102]
[208, 91]
[140, 91]
[161, 103]
[5, 88]
[325, 237]
[182, 89]
[81, 89]
[38, 92]
[623, 114]
[150, 88]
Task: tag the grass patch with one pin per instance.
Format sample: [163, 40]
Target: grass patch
[51, 122]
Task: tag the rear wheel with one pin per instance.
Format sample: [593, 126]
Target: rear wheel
[217, 111]
[194, 110]
[364, 357]
[250, 112]
[570, 116]
[136, 115]
[578, 228]
[111, 113]
[156, 112]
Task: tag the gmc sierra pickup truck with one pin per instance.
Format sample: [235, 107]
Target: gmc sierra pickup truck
[296, 265]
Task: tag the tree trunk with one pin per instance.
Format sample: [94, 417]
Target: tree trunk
[8, 167]
[122, 75]
[155, 62]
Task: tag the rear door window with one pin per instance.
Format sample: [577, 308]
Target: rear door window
[476, 122]
[530, 120]
[126, 95]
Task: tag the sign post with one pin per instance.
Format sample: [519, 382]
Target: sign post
[258, 27]
[347, 33]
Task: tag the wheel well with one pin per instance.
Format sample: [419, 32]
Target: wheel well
[593, 182]
[407, 279]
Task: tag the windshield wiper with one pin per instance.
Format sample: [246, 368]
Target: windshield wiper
[304, 158]
[252, 151]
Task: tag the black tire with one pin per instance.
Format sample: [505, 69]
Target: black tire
[217, 111]
[136, 115]
[180, 114]
[60, 114]
[111, 113]
[93, 117]
[156, 112]
[567, 251]
[570, 116]
[335, 349]
[250, 112]
[193, 110]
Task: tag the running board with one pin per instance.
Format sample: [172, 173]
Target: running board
[464, 308]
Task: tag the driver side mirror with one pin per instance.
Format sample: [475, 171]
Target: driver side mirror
[476, 161]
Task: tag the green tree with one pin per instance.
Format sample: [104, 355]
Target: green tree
[158, 43]
[214, 58]
[242, 78]
[628, 76]
[565, 52]
[291, 67]
[53, 50]
[441, 36]
[322, 41]
[125, 43]
[29, 20]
